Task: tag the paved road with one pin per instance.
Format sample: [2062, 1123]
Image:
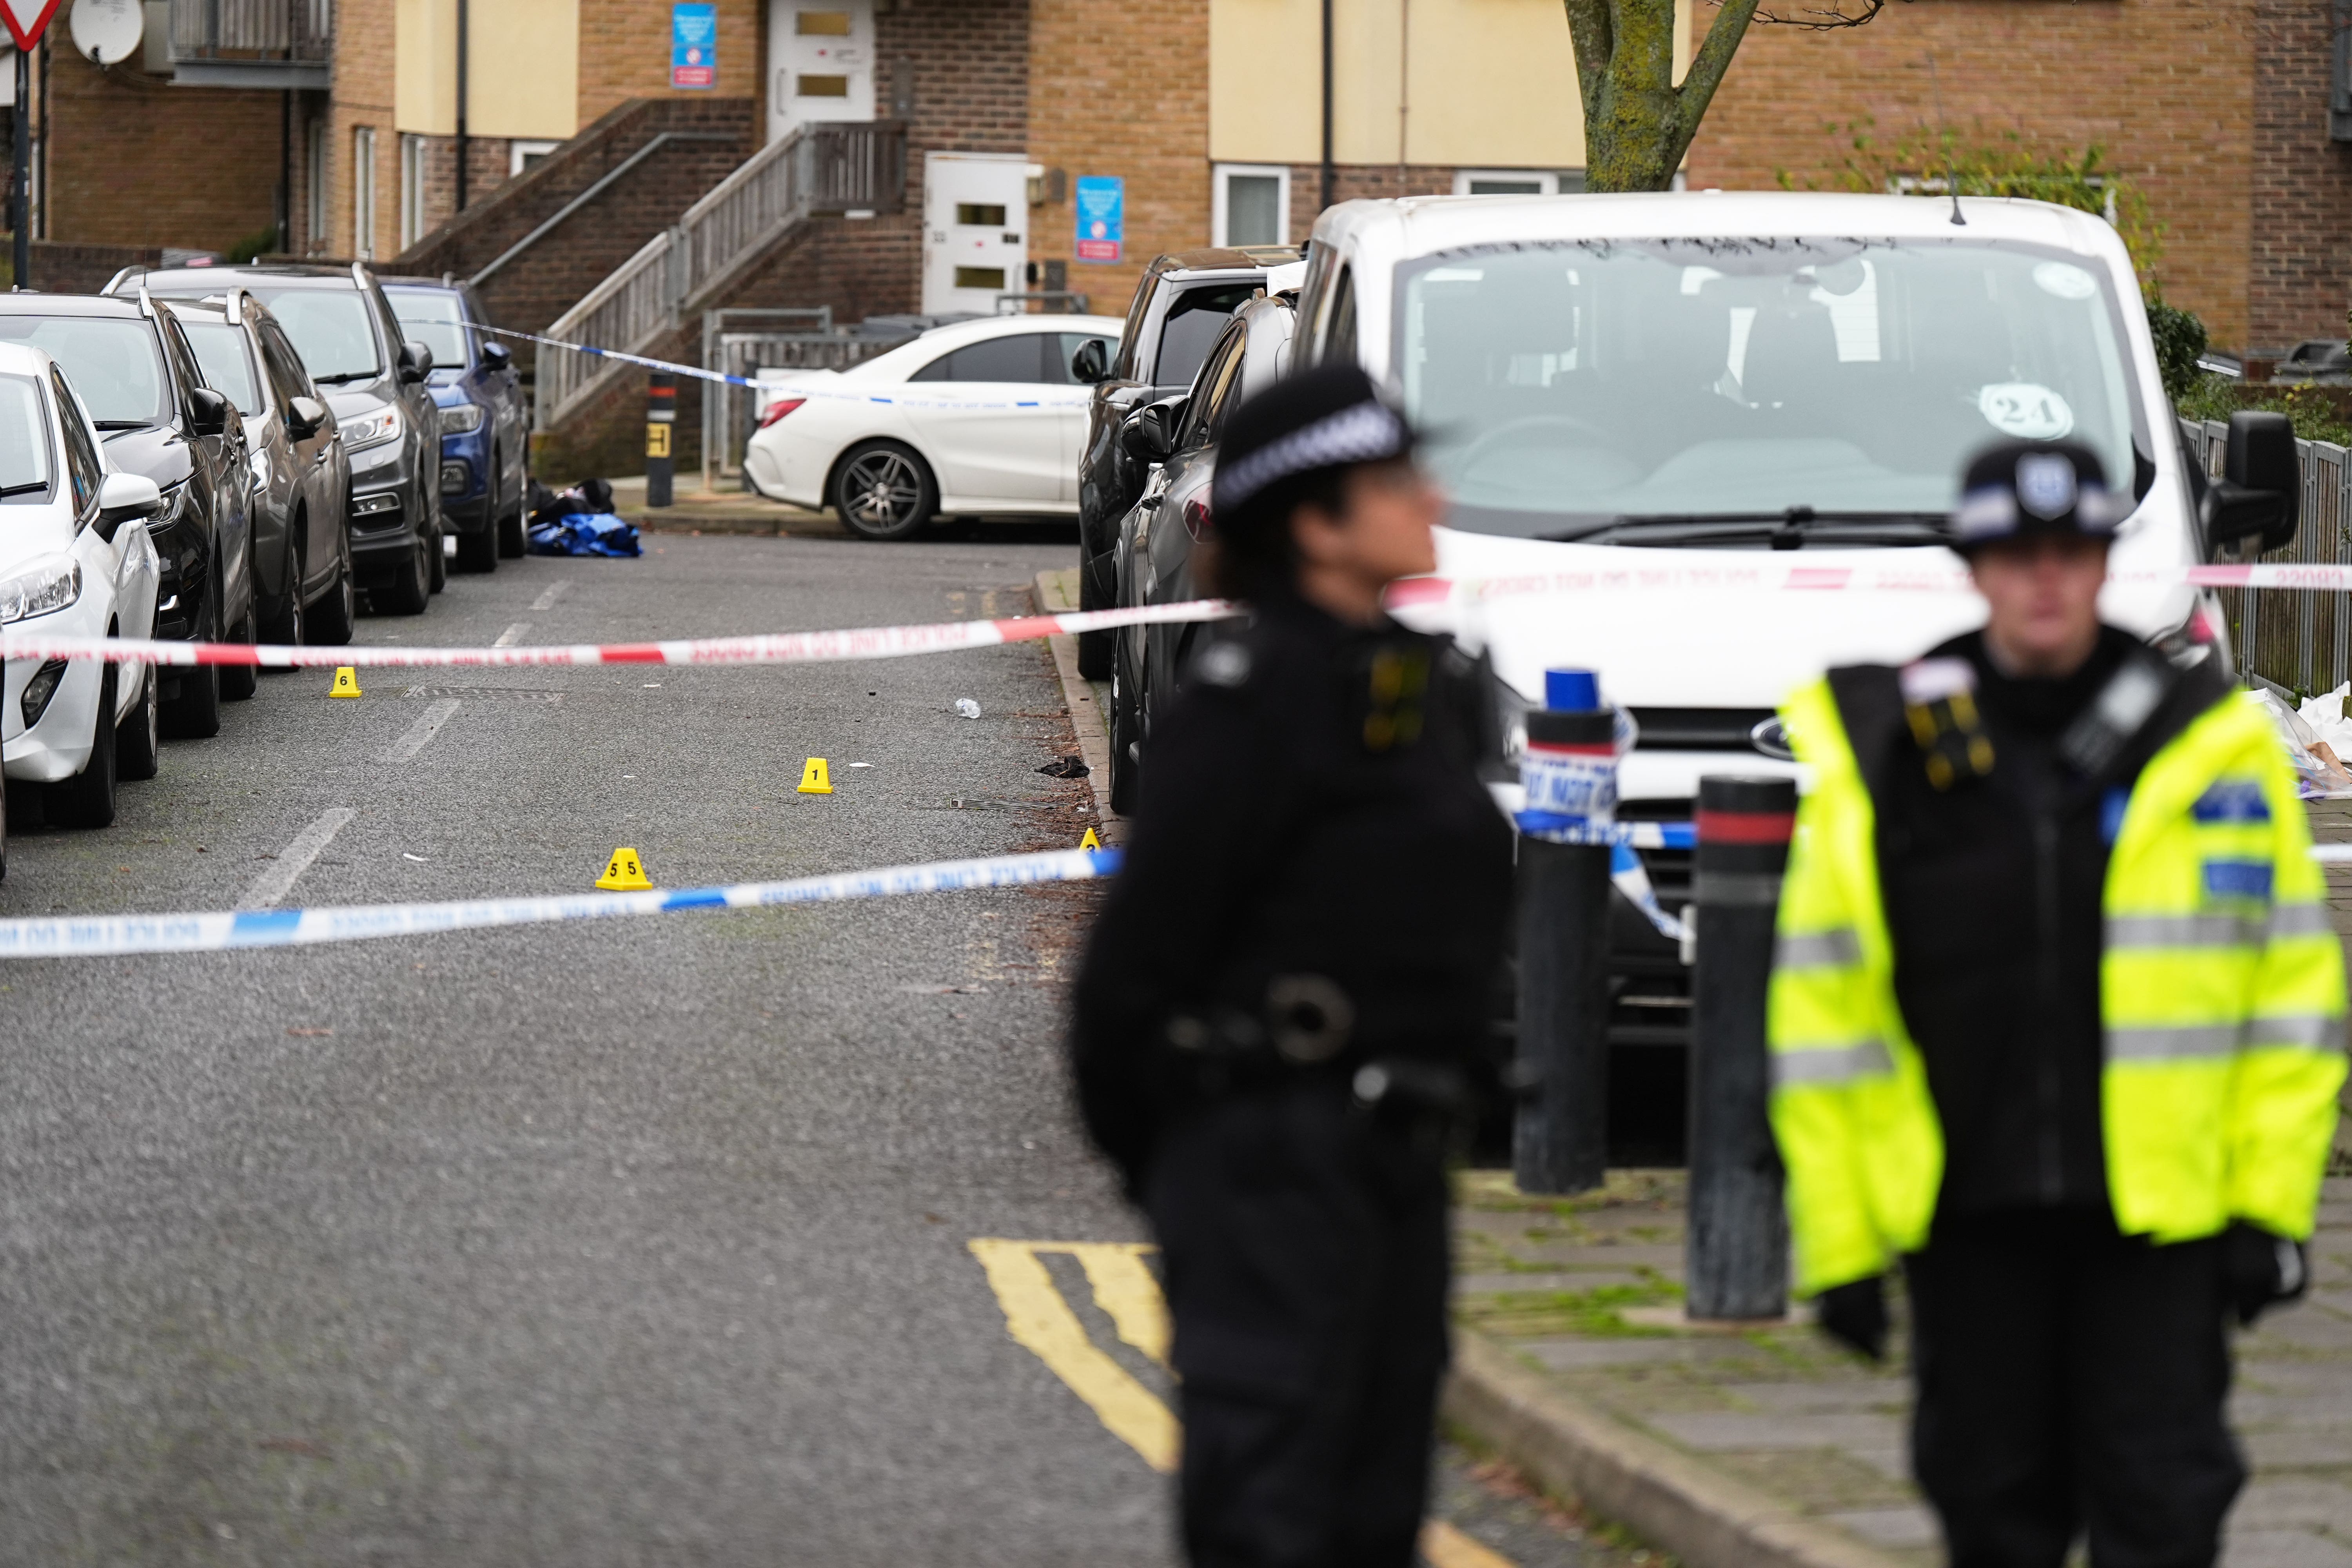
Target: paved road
[623, 1243]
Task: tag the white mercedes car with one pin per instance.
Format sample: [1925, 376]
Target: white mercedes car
[979, 416]
[75, 561]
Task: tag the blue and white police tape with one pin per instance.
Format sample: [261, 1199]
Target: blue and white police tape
[1560, 829]
[93, 936]
[696, 372]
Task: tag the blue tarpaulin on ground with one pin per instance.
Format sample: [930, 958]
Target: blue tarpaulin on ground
[584, 534]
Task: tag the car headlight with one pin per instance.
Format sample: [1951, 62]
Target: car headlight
[458, 418]
[46, 588]
[371, 429]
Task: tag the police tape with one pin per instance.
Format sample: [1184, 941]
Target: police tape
[1877, 577]
[94, 936]
[774, 647]
[695, 372]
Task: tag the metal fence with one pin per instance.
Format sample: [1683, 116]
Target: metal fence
[2302, 641]
[252, 29]
[818, 168]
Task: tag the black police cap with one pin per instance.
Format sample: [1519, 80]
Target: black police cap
[2026, 489]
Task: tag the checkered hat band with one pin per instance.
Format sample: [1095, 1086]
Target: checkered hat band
[1992, 513]
[1367, 433]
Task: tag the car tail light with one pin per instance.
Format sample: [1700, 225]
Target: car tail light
[778, 409]
[1196, 520]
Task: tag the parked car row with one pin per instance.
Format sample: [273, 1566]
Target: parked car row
[229, 454]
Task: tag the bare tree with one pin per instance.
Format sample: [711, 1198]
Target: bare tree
[1637, 122]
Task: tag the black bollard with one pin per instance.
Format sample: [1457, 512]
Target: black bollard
[1738, 1261]
[1560, 1138]
[661, 417]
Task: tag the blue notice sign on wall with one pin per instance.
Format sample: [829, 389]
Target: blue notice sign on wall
[694, 44]
[1102, 217]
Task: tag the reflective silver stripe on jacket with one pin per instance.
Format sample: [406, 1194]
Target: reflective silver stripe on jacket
[2140, 933]
[1830, 1064]
[1818, 950]
[2171, 1042]
[2310, 1031]
[2300, 920]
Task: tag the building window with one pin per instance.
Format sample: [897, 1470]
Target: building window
[364, 192]
[412, 190]
[315, 161]
[1512, 183]
[1252, 205]
[523, 155]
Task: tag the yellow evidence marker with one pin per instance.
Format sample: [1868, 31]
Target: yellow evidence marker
[815, 780]
[347, 682]
[623, 873]
[1090, 841]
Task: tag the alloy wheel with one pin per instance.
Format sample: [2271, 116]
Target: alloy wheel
[882, 489]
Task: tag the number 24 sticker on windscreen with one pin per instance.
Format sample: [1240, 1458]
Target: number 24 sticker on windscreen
[2026, 410]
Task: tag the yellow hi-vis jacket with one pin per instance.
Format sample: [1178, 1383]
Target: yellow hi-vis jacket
[2221, 988]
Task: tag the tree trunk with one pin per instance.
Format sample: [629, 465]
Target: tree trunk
[1637, 122]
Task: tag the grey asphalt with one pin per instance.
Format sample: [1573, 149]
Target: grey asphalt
[630, 1243]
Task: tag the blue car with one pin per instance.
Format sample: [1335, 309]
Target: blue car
[485, 427]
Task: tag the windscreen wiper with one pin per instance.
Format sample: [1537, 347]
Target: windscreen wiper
[125, 424]
[1792, 528]
[24, 489]
[342, 376]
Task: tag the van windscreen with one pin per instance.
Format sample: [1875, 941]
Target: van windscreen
[1574, 389]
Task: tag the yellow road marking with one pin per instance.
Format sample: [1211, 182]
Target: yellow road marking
[1446, 1547]
[1042, 1323]
[1126, 1291]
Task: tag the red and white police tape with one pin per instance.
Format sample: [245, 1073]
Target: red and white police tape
[946, 637]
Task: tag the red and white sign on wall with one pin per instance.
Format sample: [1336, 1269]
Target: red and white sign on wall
[27, 19]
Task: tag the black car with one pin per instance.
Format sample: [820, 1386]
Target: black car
[352, 345]
[1175, 440]
[301, 549]
[485, 426]
[130, 361]
[1179, 307]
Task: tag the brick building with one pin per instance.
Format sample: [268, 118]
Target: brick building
[2218, 110]
[1207, 112]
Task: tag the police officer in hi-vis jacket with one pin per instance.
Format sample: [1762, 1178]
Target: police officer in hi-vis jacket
[2056, 1025]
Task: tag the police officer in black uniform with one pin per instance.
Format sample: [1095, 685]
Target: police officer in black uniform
[1288, 979]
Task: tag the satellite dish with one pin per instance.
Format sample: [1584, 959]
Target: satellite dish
[106, 31]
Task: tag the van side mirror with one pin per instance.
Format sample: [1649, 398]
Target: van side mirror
[122, 498]
[415, 363]
[305, 417]
[2260, 492]
[1149, 435]
[207, 412]
[1091, 364]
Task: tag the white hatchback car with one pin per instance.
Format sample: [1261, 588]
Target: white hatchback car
[979, 416]
[75, 561]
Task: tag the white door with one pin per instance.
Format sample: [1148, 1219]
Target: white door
[989, 412]
[975, 229]
[820, 62]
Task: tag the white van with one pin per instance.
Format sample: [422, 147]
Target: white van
[1694, 380]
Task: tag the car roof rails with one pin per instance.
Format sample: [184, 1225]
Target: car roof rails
[360, 274]
[147, 304]
[235, 306]
[115, 283]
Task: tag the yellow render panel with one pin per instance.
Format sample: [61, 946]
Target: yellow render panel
[522, 70]
[1493, 84]
[1481, 83]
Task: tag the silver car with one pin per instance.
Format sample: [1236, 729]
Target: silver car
[301, 549]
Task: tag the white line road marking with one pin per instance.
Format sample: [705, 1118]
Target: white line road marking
[546, 601]
[428, 724]
[295, 858]
[512, 635]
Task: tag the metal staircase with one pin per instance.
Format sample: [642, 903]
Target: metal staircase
[818, 169]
